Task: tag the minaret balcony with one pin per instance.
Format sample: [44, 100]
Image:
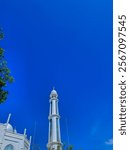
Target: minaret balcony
[54, 143]
[53, 99]
[53, 115]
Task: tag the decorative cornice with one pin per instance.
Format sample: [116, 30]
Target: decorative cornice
[53, 99]
[53, 115]
[54, 143]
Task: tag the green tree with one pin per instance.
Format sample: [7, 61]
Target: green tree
[67, 147]
[5, 76]
[1, 34]
[70, 147]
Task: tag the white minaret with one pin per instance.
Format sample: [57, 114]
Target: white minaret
[54, 139]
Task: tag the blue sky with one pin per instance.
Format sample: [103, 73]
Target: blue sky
[66, 44]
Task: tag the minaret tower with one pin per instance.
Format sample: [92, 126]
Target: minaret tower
[54, 139]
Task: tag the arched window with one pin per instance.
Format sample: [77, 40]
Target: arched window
[9, 147]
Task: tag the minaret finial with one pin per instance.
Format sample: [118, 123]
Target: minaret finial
[25, 130]
[53, 88]
[15, 131]
[8, 118]
[30, 139]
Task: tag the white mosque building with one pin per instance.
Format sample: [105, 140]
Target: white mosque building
[11, 140]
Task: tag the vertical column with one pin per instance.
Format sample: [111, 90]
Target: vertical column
[54, 140]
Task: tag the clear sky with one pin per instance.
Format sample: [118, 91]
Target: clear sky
[66, 44]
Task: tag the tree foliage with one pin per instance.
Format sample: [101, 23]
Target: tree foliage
[67, 147]
[70, 147]
[1, 34]
[5, 76]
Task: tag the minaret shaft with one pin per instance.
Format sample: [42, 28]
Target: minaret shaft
[54, 138]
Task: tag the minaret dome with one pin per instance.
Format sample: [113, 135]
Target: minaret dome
[53, 94]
